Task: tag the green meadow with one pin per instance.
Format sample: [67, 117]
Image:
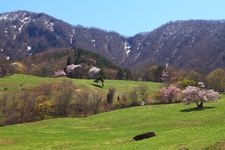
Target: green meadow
[177, 126]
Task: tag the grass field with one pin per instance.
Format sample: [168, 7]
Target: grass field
[18, 81]
[15, 83]
[177, 126]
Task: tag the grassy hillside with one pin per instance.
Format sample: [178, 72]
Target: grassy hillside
[16, 82]
[41, 96]
[175, 125]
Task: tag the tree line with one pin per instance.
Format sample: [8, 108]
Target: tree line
[63, 99]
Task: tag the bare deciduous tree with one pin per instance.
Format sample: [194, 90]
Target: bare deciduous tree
[133, 97]
[143, 92]
[110, 95]
[27, 107]
[95, 101]
[62, 97]
[216, 80]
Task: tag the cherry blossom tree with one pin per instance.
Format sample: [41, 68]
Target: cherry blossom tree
[198, 95]
[169, 94]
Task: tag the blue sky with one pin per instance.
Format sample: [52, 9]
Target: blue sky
[128, 17]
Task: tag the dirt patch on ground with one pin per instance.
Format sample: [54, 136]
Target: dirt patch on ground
[217, 146]
[7, 141]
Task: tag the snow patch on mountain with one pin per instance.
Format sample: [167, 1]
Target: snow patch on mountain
[20, 28]
[14, 27]
[139, 46]
[14, 37]
[25, 20]
[49, 25]
[29, 48]
[4, 17]
[127, 48]
[72, 34]
[16, 16]
[94, 42]
[137, 56]
[9, 16]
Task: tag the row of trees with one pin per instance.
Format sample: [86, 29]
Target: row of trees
[191, 94]
[65, 99]
[48, 100]
[5, 67]
[183, 78]
[62, 100]
[135, 97]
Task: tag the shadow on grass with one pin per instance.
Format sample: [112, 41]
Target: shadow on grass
[99, 86]
[196, 109]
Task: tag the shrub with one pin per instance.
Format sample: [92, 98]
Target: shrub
[87, 103]
[9, 109]
[45, 89]
[95, 100]
[186, 82]
[27, 107]
[169, 94]
[143, 92]
[153, 73]
[62, 97]
[122, 101]
[193, 76]
[19, 108]
[133, 97]
[43, 70]
[81, 105]
[44, 107]
[5, 89]
[216, 80]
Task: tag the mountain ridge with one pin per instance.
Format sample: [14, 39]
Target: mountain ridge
[197, 44]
